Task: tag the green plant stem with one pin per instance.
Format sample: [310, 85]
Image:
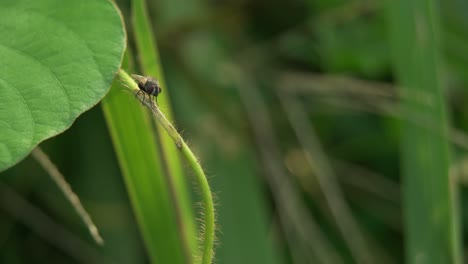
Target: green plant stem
[149, 62]
[209, 221]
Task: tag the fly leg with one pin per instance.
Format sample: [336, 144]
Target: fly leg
[151, 102]
[137, 93]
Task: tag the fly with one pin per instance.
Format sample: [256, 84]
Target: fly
[148, 86]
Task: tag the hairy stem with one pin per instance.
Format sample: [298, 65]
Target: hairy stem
[209, 220]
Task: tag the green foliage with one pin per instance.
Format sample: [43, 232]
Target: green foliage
[236, 75]
[58, 60]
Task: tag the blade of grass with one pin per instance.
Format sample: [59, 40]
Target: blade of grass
[430, 215]
[201, 179]
[150, 64]
[140, 162]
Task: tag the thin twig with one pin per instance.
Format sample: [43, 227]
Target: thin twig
[67, 191]
[45, 227]
[299, 225]
[326, 178]
[361, 95]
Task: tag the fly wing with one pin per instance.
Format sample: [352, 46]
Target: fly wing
[141, 80]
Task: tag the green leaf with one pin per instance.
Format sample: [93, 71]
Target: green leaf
[58, 59]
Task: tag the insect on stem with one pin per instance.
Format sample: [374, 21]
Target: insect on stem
[149, 86]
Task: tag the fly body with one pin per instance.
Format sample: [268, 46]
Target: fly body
[148, 85]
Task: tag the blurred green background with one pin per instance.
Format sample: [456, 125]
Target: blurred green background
[292, 108]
